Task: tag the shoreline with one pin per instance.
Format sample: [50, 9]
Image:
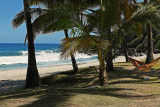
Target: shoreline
[12, 73]
[43, 66]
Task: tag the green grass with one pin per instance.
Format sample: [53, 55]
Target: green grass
[126, 89]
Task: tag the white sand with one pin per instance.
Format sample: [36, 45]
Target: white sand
[20, 74]
[11, 79]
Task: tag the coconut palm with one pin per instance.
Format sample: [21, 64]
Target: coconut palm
[32, 78]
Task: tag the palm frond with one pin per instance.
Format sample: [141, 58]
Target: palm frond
[19, 18]
[144, 14]
[58, 18]
[72, 45]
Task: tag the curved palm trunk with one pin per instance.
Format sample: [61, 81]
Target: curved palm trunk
[74, 63]
[150, 42]
[32, 78]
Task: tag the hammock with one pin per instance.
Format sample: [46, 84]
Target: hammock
[142, 66]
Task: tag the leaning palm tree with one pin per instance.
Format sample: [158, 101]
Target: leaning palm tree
[32, 78]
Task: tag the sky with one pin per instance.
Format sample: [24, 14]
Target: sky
[8, 9]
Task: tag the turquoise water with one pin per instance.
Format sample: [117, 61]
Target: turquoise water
[15, 56]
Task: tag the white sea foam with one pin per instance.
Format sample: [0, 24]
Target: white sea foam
[24, 52]
[41, 57]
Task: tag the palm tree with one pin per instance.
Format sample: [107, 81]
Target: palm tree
[125, 9]
[81, 5]
[68, 19]
[32, 78]
[19, 19]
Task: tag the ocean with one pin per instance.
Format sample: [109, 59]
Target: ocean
[15, 56]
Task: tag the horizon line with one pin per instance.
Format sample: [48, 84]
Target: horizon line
[27, 43]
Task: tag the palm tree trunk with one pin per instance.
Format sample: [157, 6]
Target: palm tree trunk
[102, 70]
[74, 63]
[109, 60]
[149, 45]
[125, 51]
[109, 57]
[103, 76]
[32, 78]
[150, 42]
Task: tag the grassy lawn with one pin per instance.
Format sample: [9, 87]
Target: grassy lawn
[126, 89]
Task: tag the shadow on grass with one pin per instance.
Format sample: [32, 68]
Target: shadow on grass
[52, 96]
[122, 72]
[61, 87]
[10, 85]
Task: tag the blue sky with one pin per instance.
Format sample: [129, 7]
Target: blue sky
[8, 9]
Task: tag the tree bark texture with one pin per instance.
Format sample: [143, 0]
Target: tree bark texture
[32, 78]
[103, 77]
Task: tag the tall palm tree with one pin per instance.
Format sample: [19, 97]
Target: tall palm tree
[32, 78]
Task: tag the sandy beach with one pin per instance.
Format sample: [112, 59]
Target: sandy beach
[11, 79]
